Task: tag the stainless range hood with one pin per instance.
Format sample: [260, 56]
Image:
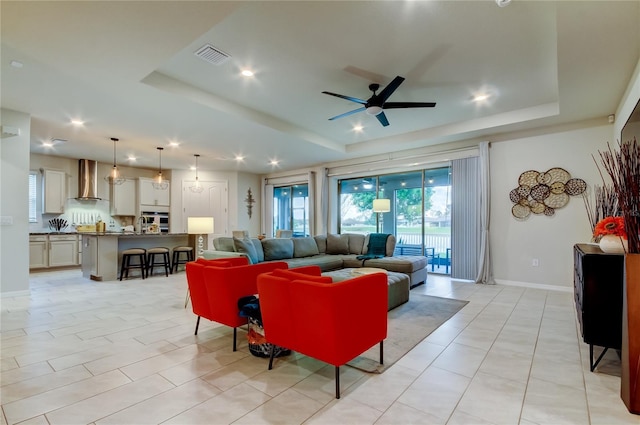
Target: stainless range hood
[87, 180]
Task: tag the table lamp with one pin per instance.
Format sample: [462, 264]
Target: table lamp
[381, 206]
[200, 226]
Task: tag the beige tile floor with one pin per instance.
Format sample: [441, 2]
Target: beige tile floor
[81, 352]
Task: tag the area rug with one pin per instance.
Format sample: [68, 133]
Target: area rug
[408, 324]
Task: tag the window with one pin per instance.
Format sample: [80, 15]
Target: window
[291, 209]
[33, 193]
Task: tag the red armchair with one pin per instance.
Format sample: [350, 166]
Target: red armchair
[332, 322]
[219, 288]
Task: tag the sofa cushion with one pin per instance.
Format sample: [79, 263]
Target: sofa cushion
[326, 262]
[337, 244]
[321, 241]
[292, 275]
[224, 243]
[277, 249]
[391, 245]
[356, 242]
[304, 247]
[245, 246]
[258, 246]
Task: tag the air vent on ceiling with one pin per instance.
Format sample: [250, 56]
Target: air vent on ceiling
[212, 55]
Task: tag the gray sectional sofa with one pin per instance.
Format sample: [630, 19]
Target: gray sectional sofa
[330, 252]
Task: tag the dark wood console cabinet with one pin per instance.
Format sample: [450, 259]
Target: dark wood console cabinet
[597, 285]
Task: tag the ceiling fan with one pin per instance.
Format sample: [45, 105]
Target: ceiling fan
[376, 104]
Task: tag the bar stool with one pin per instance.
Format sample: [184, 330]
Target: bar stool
[178, 253]
[152, 263]
[126, 265]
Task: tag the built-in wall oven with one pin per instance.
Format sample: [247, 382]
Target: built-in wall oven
[158, 216]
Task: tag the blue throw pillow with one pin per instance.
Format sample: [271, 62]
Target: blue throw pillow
[245, 246]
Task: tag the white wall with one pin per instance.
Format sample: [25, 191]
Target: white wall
[515, 243]
[249, 181]
[14, 203]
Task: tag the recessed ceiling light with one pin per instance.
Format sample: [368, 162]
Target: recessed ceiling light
[502, 3]
[480, 97]
[77, 122]
[357, 128]
[132, 158]
[239, 158]
[16, 64]
[247, 73]
[174, 144]
[47, 144]
[274, 162]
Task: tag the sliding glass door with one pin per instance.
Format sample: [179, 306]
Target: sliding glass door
[419, 213]
[291, 209]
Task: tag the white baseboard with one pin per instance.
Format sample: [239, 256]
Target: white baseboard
[568, 289]
[12, 294]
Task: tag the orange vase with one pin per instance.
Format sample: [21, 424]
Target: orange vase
[630, 383]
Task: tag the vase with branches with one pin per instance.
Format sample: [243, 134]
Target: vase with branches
[623, 167]
[604, 204]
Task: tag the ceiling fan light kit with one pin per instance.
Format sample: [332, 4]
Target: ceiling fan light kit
[377, 103]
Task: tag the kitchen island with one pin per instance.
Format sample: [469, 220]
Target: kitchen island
[102, 252]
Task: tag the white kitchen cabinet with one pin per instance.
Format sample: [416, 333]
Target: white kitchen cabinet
[63, 250]
[123, 198]
[38, 252]
[55, 191]
[149, 195]
[53, 251]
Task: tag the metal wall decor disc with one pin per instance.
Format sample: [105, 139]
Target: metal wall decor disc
[556, 200]
[523, 190]
[540, 191]
[544, 178]
[558, 175]
[520, 211]
[514, 196]
[575, 186]
[536, 207]
[557, 187]
[528, 178]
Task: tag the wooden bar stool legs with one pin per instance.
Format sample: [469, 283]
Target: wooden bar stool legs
[165, 261]
[126, 265]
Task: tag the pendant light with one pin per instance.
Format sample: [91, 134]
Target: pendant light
[115, 177]
[159, 182]
[197, 187]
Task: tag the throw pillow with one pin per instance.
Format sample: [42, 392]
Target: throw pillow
[258, 246]
[304, 247]
[337, 244]
[245, 246]
[292, 275]
[356, 242]
[321, 241]
[277, 249]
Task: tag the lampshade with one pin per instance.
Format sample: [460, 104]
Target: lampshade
[199, 225]
[381, 205]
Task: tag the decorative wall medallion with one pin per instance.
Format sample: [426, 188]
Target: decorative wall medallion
[544, 192]
[250, 201]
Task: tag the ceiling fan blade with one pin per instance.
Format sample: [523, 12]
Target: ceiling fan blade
[398, 105]
[390, 88]
[353, 99]
[347, 113]
[383, 119]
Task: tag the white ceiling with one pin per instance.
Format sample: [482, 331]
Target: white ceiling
[128, 70]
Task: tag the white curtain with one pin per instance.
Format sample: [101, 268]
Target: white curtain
[465, 218]
[267, 208]
[484, 258]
